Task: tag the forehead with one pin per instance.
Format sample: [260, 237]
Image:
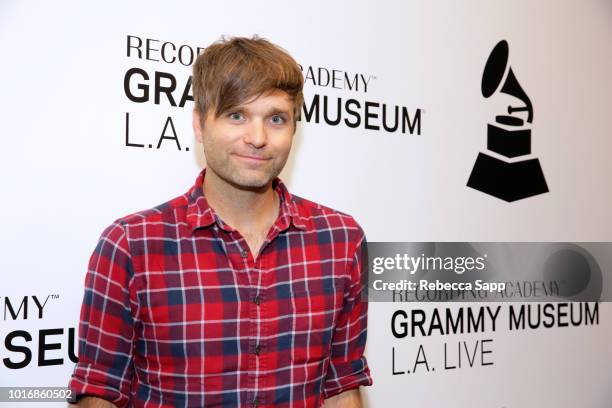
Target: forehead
[274, 100]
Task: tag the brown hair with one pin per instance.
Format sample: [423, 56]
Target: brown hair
[233, 71]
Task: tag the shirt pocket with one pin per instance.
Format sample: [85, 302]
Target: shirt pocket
[314, 312]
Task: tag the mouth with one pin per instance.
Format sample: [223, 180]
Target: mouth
[255, 159]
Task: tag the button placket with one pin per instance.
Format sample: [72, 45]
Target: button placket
[249, 266]
[260, 264]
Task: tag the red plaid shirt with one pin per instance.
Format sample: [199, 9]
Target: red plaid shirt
[178, 313]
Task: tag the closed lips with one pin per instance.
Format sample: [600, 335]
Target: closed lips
[252, 157]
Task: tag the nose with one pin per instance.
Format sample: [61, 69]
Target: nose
[256, 135]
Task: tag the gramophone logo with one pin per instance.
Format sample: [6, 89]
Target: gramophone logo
[512, 174]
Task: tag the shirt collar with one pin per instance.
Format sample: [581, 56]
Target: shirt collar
[201, 215]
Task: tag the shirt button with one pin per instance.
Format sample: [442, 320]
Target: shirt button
[257, 350]
[243, 253]
[257, 300]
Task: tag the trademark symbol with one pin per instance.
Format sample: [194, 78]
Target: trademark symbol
[54, 296]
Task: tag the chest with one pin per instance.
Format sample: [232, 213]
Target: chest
[204, 294]
[209, 267]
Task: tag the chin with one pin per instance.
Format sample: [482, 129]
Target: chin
[250, 181]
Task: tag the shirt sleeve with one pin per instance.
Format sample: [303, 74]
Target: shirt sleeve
[106, 328]
[348, 367]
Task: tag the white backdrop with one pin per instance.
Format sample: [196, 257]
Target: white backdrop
[67, 172]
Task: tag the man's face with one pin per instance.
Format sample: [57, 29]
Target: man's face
[248, 146]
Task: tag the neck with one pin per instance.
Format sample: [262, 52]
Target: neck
[246, 210]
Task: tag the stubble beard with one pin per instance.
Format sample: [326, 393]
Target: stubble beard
[244, 178]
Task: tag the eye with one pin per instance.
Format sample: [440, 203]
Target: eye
[236, 116]
[277, 120]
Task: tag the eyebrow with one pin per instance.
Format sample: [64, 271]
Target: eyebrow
[274, 110]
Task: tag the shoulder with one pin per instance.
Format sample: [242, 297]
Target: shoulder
[323, 218]
[171, 213]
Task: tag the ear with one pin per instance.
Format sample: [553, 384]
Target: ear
[197, 125]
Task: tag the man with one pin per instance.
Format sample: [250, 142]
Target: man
[236, 293]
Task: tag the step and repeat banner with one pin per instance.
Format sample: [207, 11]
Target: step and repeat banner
[429, 122]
